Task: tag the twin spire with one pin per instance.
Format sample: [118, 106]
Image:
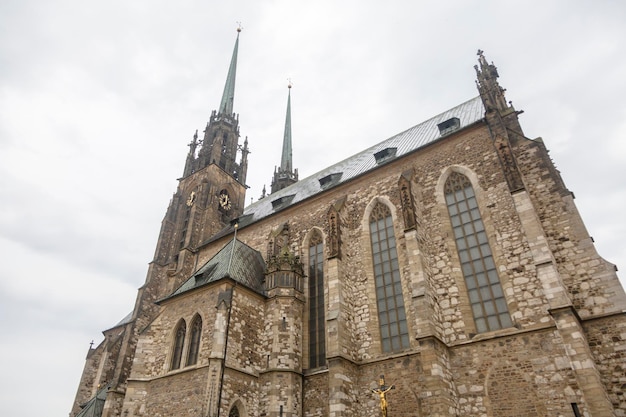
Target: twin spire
[220, 142]
[221, 136]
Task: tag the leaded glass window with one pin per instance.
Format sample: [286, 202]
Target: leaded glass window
[484, 289]
[317, 328]
[194, 341]
[179, 341]
[394, 331]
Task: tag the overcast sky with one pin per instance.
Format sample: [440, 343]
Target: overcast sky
[98, 101]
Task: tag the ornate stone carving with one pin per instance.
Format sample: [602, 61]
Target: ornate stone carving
[408, 205]
[334, 233]
[512, 174]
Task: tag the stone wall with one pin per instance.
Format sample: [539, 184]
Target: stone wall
[590, 280]
[316, 395]
[530, 369]
[607, 341]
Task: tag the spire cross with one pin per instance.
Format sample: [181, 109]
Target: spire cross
[382, 391]
[239, 27]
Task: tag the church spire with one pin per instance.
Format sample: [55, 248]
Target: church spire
[226, 105]
[285, 175]
[220, 145]
[286, 160]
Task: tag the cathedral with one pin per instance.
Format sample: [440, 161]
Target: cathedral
[444, 271]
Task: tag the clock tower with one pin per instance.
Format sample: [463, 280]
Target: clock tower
[211, 191]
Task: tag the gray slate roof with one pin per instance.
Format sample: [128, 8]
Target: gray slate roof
[237, 261]
[414, 138]
[247, 266]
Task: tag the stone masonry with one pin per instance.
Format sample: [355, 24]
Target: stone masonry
[565, 349]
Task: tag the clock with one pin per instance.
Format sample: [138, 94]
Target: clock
[191, 199]
[225, 202]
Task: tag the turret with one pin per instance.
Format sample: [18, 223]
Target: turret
[502, 120]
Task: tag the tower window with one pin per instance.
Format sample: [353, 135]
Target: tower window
[194, 342]
[179, 342]
[484, 289]
[394, 331]
[317, 328]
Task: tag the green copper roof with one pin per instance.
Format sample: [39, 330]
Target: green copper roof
[285, 161]
[226, 106]
[236, 261]
[94, 407]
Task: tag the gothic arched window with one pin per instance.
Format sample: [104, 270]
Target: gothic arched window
[394, 331]
[179, 342]
[317, 329]
[194, 341]
[234, 412]
[484, 290]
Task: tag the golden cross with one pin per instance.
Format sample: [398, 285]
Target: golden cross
[382, 391]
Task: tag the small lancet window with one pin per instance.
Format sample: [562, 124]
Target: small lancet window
[484, 289]
[194, 341]
[179, 342]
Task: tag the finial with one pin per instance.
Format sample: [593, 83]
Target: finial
[91, 345]
[239, 27]
[289, 83]
[480, 52]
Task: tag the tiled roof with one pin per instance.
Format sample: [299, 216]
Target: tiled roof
[401, 144]
[237, 261]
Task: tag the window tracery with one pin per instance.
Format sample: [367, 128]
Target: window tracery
[389, 297]
[487, 301]
[179, 342]
[317, 320]
[194, 341]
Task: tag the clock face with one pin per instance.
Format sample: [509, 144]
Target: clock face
[225, 201]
